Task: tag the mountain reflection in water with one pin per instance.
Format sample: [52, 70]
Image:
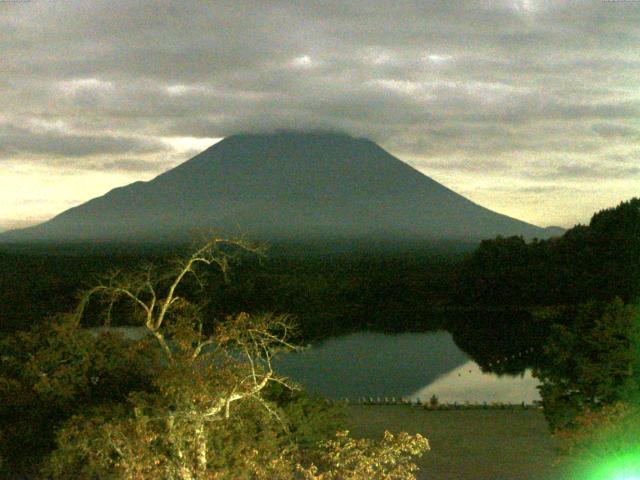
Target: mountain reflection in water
[409, 365]
[468, 383]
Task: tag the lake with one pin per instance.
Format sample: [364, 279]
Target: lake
[407, 365]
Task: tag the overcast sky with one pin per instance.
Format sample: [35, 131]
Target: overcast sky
[528, 107]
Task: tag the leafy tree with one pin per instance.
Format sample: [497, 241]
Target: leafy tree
[345, 458]
[54, 370]
[494, 265]
[616, 239]
[591, 362]
[599, 261]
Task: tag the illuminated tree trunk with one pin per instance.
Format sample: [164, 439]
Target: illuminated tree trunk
[201, 447]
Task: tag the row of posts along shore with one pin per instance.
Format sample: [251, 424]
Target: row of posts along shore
[436, 405]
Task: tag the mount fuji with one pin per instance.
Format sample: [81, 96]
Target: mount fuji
[284, 185]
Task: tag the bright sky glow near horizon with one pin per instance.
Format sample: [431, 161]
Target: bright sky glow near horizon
[528, 107]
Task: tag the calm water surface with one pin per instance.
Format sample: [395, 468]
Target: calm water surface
[409, 365]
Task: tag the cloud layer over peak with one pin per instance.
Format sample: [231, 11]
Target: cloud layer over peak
[481, 95]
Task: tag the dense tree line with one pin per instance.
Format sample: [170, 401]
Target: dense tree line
[516, 291]
[328, 293]
[338, 294]
[590, 387]
[599, 261]
[580, 293]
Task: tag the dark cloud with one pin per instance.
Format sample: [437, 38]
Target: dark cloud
[543, 189]
[608, 130]
[55, 142]
[481, 79]
[132, 165]
[467, 165]
[590, 171]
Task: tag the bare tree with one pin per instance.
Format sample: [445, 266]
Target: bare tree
[231, 365]
[208, 387]
[143, 288]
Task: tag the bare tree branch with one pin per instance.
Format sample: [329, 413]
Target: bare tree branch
[142, 288]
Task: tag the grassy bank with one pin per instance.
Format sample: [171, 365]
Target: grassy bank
[468, 444]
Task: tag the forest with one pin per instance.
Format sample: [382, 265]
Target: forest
[568, 302]
[387, 287]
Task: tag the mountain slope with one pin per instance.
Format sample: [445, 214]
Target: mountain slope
[284, 185]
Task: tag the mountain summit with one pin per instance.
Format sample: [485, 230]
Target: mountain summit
[282, 186]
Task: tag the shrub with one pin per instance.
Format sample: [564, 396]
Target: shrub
[56, 370]
[345, 458]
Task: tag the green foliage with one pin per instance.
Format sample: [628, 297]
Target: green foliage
[494, 265]
[208, 405]
[328, 294]
[55, 370]
[611, 430]
[616, 237]
[345, 458]
[600, 261]
[514, 291]
[152, 437]
[67, 367]
[309, 418]
[591, 362]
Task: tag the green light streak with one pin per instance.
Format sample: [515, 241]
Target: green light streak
[619, 467]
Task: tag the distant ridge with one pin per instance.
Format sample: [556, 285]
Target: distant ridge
[282, 186]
